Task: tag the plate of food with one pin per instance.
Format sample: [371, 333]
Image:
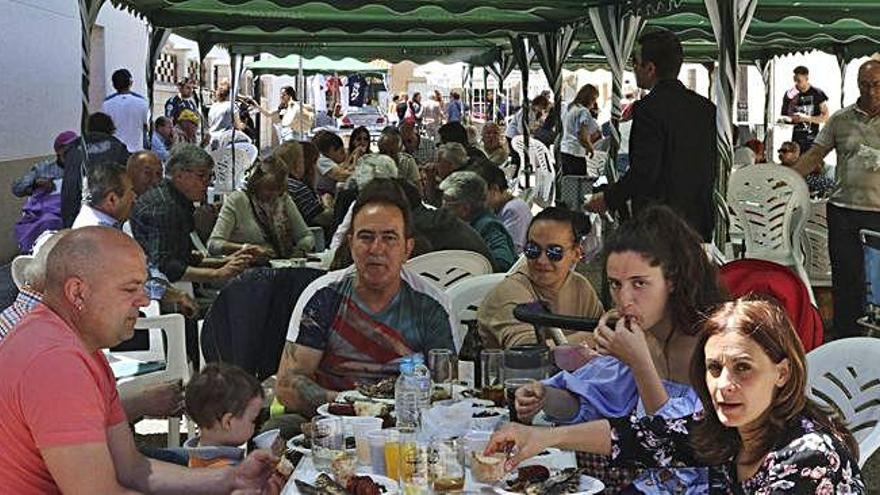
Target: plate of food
[358, 484]
[383, 389]
[301, 443]
[537, 479]
[357, 408]
[352, 396]
[487, 418]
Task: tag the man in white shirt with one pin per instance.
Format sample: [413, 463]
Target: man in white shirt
[130, 112]
[111, 196]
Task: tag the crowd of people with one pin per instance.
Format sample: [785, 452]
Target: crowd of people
[679, 386]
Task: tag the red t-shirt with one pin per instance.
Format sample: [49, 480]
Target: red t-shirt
[52, 393]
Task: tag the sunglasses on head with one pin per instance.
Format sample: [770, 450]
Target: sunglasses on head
[554, 252]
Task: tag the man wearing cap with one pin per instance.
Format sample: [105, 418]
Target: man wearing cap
[187, 128]
[183, 100]
[130, 111]
[41, 175]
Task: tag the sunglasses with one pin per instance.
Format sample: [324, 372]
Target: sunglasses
[554, 252]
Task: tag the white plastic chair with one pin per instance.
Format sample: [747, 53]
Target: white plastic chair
[465, 298]
[815, 245]
[596, 163]
[176, 367]
[542, 162]
[245, 154]
[446, 268]
[18, 267]
[772, 205]
[844, 375]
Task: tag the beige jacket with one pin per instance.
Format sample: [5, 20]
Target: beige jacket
[498, 327]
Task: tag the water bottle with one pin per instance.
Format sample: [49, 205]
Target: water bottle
[406, 401]
[422, 378]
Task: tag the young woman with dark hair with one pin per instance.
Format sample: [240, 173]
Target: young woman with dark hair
[661, 283]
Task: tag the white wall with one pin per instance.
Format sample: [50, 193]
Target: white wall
[125, 46]
[39, 74]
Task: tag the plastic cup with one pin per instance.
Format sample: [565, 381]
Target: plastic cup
[266, 439]
[327, 442]
[392, 454]
[361, 427]
[475, 441]
[377, 451]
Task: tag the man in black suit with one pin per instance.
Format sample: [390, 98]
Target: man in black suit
[673, 151]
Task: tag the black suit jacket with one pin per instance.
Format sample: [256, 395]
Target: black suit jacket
[673, 156]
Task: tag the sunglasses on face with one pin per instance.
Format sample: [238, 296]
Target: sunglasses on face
[554, 252]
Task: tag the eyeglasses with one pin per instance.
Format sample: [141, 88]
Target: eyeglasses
[205, 177]
[554, 252]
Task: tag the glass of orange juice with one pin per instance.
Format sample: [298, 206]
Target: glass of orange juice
[392, 453]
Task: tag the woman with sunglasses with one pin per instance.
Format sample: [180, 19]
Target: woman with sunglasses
[551, 252]
[660, 282]
[758, 433]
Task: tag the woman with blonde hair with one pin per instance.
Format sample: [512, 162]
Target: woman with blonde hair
[263, 217]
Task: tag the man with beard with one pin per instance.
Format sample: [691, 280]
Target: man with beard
[354, 325]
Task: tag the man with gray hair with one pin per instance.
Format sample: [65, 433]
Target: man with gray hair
[110, 198]
[465, 194]
[450, 158]
[368, 167]
[163, 219]
[390, 144]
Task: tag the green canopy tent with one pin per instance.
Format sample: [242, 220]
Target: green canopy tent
[614, 22]
[294, 64]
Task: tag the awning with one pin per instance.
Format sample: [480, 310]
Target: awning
[290, 65]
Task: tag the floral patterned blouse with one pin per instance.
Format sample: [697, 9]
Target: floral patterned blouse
[809, 459]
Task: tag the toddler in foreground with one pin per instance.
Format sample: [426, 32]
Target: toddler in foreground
[224, 401]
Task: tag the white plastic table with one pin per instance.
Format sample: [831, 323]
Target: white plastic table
[306, 471]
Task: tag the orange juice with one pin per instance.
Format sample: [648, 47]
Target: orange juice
[392, 460]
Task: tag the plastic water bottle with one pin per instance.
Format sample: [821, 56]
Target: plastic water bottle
[422, 377]
[406, 400]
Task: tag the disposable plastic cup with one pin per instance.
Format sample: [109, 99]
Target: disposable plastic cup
[361, 427]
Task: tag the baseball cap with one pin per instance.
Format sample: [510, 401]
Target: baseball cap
[65, 138]
[188, 115]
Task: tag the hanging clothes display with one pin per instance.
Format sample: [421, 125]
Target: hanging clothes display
[319, 95]
[357, 90]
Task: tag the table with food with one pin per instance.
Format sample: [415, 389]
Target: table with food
[384, 439]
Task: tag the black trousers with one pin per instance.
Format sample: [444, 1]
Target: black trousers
[573, 165]
[848, 265]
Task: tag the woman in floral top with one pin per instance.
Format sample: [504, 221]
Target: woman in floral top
[759, 433]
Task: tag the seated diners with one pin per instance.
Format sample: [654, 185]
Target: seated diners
[263, 217]
[360, 321]
[552, 251]
[661, 283]
[758, 431]
[64, 429]
[301, 157]
[465, 194]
